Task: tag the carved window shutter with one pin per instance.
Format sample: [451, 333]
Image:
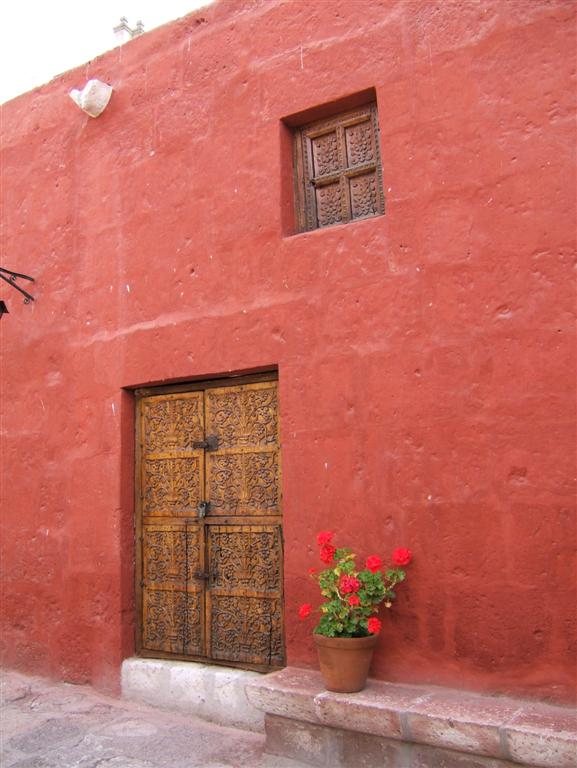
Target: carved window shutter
[338, 170]
[209, 522]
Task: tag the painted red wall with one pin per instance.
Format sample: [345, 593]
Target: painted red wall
[426, 358]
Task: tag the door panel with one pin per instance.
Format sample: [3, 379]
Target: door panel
[243, 484]
[173, 593]
[163, 620]
[244, 602]
[210, 587]
[172, 468]
[243, 630]
[243, 474]
[165, 556]
[243, 417]
[174, 487]
[172, 622]
[245, 559]
[173, 422]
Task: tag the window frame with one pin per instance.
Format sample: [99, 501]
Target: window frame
[306, 182]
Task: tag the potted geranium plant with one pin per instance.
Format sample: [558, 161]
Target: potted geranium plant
[348, 627]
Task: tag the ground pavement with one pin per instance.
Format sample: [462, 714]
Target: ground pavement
[57, 725]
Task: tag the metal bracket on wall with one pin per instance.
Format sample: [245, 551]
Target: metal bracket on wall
[10, 277]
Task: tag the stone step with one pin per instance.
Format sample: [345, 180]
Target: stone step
[213, 693]
[410, 725]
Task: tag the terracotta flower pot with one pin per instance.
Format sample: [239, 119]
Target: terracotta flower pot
[345, 661]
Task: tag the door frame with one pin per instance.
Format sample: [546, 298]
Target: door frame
[192, 386]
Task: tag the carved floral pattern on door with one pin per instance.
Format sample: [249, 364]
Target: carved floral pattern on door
[173, 486]
[243, 417]
[245, 558]
[250, 628]
[244, 483]
[173, 424]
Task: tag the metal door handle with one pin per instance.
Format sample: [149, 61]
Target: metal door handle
[210, 444]
[201, 575]
[211, 576]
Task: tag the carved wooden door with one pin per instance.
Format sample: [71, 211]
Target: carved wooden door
[209, 560]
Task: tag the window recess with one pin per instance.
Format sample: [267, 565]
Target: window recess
[338, 174]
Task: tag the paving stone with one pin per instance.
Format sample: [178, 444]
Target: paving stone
[79, 753]
[277, 761]
[67, 760]
[14, 721]
[192, 747]
[131, 729]
[56, 761]
[121, 762]
[13, 689]
[76, 705]
[46, 735]
[9, 757]
[47, 725]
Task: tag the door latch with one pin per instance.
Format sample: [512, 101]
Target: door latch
[201, 575]
[210, 577]
[210, 444]
[203, 508]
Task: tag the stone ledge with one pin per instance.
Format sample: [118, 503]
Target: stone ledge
[210, 692]
[520, 732]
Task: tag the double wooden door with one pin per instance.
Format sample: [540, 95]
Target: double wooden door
[209, 548]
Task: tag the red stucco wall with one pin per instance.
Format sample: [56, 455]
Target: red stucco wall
[426, 358]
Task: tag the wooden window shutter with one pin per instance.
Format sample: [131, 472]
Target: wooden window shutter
[338, 175]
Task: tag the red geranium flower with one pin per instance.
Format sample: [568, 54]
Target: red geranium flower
[349, 584]
[305, 610]
[324, 537]
[328, 553]
[374, 626]
[402, 556]
[373, 563]
[354, 600]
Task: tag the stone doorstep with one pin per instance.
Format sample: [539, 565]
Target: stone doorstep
[213, 693]
[527, 733]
